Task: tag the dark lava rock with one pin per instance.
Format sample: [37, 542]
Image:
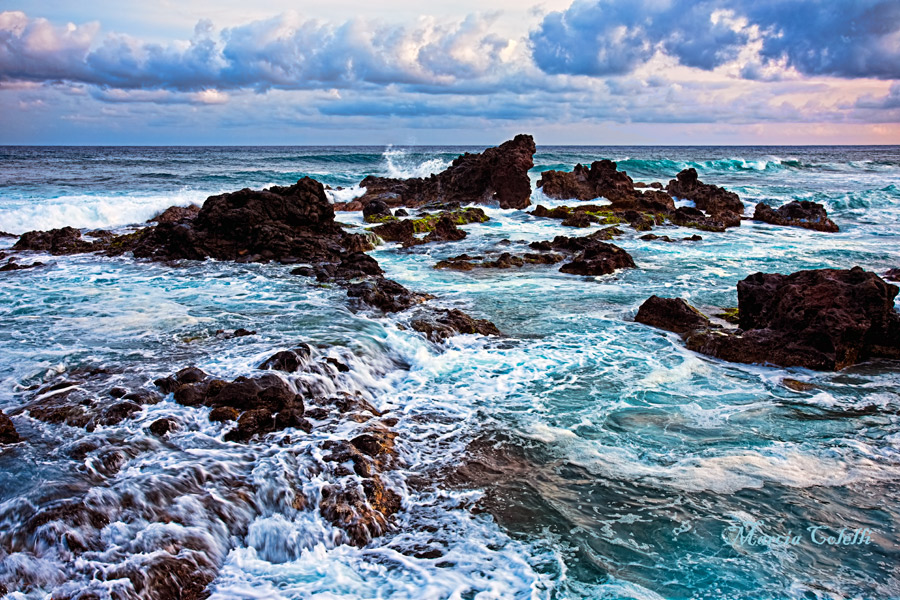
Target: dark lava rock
[293, 223]
[8, 433]
[162, 576]
[190, 375]
[117, 412]
[445, 230]
[385, 294]
[496, 175]
[176, 214]
[671, 314]
[825, 319]
[258, 421]
[11, 265]
[221, 414]
[713, 199]
[687, 216]
[162, 427]
[809, 215]
[892, 274]
[287, 360]
[599, 258]
[445, 323]
[341, 367]
[362, 511]
[601, 180]
[375, 208]
[397, 231]
[401, 212]
[67, 240]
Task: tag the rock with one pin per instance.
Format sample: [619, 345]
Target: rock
[686, 216]
[287, 360]
[651, 236]
[577, 219]
[599, 258]
[797, 386]
[445, 323]
[67, 240]
[809, 215]
[401, 212]
[601, 180]
[398, 231]
[824, 319]
[385, 294]
[11, 265]
[163, 576]
[445, 230]
[117, 392]
[162, 427]
[892, 274]
[496, 175]
[293, 223]
[190, 375]
[671, 314]
[118, 412]
[713, 199]
[176, 214]
[8, 433]
[222, 414]
[341, 367]
[258, 421]
[356, 265]
[361, 511]
[375, 208]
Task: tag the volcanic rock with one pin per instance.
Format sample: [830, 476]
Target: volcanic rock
[445, 323]
[496, 175]
[671, 314]
[716, 201]
[66, 240]
[804, 213]
[8, 433]
[175, 214]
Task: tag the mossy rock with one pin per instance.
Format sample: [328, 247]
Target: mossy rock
[376, 219]
[730, 315]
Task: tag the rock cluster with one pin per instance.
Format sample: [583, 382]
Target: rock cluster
[824, 319]
[803, 213]
[496, 176]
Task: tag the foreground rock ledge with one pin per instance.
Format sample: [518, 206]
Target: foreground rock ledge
[823, 319]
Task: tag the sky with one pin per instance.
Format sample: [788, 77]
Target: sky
[599, 72]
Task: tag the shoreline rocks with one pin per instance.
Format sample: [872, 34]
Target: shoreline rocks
[803, 213]
[822, 319]
[497, 175]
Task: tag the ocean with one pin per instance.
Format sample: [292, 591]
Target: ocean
[580, 455]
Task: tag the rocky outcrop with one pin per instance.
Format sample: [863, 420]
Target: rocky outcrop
[803, 213]
[445, 323]
[66, 240]
[600, 180]
[176, 214]
[721, 204]
[440, 226]
[592, 256]
[671, 314]
[892, 274]
[496, 176]
[824, 319]
[8, 433]
[384, 294]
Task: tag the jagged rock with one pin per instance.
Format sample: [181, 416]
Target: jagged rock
[671, 314]
[175, 214]
[11, 265]
[375, 208]
[716, 201]
[496, 175]
[384, 294]
[809, 215]
[162, 427]
[66, 240]
[443, 324]
[8, 433]
[598, 258]
[825, 319]
[892, 274]
[445, 230]
[601, 180]
[287, 360]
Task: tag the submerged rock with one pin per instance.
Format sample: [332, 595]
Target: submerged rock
[287, 360]
[443, 324]
[824, 319]
[384, 294]
[497, 175]
[809, 215]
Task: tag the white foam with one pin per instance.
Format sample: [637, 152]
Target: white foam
[400, 165]
[85, 211]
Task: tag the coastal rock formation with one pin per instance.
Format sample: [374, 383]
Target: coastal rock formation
[592, 255]
[716, 201]
[8, 433]
[497, 175]
[803, 213]
[671, 314]
[824, 319]
[445, 323]
[175, 214]
[66, 240]
[440, 226]
[602, 180]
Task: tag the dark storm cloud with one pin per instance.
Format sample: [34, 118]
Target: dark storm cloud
[843, 38]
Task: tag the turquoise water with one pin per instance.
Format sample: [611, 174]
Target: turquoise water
[580, 456]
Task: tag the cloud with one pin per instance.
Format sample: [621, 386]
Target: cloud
[285, 52]
[841, 38]
[889, 102]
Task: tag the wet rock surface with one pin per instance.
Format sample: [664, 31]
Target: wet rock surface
[175, 214]
[803, 213]
[718, 202]
[497, 175]
[8, 433]
[671, 314]
[823, 319]
[444, 323]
